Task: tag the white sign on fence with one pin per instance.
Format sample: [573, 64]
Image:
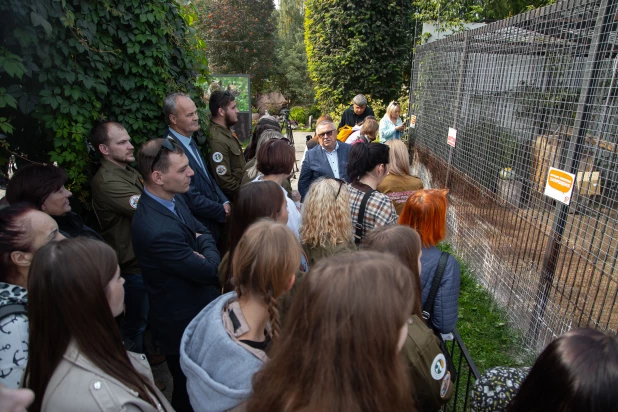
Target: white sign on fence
[452, 136]
[559, 185]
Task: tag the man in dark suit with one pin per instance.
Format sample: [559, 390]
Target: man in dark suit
[206, 201]
[176, 253]
[330, 158]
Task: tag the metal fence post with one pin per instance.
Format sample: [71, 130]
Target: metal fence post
[569, 160]
[460, 82]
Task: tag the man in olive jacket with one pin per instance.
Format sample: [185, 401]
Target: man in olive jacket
[116, 190]
[226, 160]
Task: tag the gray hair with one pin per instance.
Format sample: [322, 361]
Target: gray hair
[324, 123]
[266, 135]
[169, 104]
[360, 100]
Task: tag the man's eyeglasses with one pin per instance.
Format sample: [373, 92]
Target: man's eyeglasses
[328, 133]
[169, 144]
[341, 183]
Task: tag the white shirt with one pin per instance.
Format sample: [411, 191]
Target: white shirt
[333, 160]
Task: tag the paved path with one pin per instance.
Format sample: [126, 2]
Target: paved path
[300, 143]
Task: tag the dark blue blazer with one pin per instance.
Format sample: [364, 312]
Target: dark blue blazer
[316, 165]
[204, 198]
[179, 282]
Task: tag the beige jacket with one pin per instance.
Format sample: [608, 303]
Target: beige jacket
[78, 385]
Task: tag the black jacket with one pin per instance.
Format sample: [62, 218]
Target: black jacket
[352, 119]
[179, 282]
[204, 198]
[71, 225]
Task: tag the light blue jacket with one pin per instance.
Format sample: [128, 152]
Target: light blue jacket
[218, 367]
[387, 129]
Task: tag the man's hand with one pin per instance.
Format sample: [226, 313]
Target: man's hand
[199, 254]
[228, 209]
[295, 196]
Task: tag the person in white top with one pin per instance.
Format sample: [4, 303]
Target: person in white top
[275, 161]
[368, 132]
[391, 125]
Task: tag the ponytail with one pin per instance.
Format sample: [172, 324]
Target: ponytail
[364, 157]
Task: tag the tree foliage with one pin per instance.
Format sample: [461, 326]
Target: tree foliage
[66, 64]
[357, 47]
[451, 14]
[292, 78]
[240, 35]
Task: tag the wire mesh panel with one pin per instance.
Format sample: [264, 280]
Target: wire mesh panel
[526, 94]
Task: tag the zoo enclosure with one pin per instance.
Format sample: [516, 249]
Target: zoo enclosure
[534, 91]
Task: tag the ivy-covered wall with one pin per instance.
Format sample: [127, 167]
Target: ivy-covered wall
[65, 64]
[358, 46]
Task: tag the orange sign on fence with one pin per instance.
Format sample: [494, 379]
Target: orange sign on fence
[559, 185]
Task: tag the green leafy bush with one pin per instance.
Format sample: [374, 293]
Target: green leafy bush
[358, 47]
[299, 114]
[66, 64]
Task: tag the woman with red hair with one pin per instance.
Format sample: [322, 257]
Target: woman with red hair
[425, 212]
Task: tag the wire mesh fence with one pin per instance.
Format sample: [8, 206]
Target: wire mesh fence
[526, 94]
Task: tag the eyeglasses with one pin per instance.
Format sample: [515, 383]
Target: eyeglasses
[341, 183]
[169, 144]
[394, 103]
[329, 133]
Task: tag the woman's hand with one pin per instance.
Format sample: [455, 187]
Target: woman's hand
[400, 127]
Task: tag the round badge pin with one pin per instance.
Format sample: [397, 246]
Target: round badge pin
[217, 157]
[133, 201]
[438, 367]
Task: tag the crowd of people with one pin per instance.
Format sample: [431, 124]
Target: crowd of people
[258, 297]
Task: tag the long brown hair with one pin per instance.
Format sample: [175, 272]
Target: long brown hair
[255, 201]
[67, 302]
[405, 243]
[339, 350]
[265, 259]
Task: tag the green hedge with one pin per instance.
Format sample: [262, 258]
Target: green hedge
[299, 114]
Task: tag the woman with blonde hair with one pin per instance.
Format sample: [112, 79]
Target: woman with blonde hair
[399, 184]
[326, 231]
[391, 125]
[226, 344]
[343, 334]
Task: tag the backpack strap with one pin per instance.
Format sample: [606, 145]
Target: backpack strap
[435, 284]
[13, 309]
[361, 216]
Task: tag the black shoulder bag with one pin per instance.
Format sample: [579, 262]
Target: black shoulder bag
[428, 308]
[361, 217]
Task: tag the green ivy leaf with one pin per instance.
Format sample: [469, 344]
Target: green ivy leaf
[38, 20]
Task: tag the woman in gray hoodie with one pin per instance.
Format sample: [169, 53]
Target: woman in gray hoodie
[226, 344]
